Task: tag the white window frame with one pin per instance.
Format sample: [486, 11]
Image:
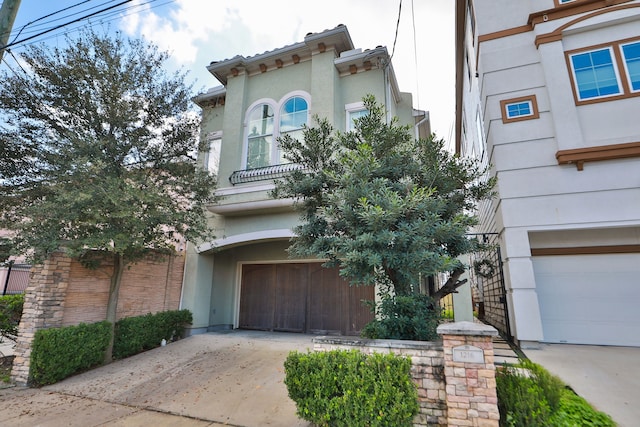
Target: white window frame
[626, 65]
[276, 106]
[214, 143]
[516, 116]
[615, 69]
[350, 109]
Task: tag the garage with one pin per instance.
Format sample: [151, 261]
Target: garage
[589, 299]
[302, 297]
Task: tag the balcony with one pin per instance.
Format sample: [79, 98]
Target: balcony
[263, 174]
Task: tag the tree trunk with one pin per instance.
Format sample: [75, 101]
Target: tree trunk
[112, 304]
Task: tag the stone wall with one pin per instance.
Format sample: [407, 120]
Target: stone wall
[455, 378]
[62, 292]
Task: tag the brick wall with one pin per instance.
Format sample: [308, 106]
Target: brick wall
[149, 286]
[62, 292]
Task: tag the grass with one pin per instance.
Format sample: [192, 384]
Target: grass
[5, 368]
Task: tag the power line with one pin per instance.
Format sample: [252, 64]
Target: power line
[103, 18]
[397, 28]
[45, 17]
[415, 54]
[68, 23]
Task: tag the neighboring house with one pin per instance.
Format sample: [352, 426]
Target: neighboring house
[548, 93]
[245, 278]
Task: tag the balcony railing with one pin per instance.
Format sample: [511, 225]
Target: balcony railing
[263, 174]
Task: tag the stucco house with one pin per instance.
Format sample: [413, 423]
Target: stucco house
[245, 278]
[548, 93]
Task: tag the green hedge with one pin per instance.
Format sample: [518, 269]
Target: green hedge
[348, 388]
[60, 352]
[528, 395]
[404, 317]
[136, 334]
[10, 314]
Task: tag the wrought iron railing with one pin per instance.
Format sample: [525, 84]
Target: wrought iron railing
[263, 174]
[14, 278]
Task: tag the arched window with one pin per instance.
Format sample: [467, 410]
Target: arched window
[293, 117]
[260, 137]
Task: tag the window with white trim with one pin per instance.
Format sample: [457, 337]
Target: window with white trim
[354, 111]
[267, 121]
[212, 157]
[595, 74]
[631, 55]
[521, 108]
[605, 72]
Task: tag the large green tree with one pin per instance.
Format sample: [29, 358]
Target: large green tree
[383, 206]
[105, 145]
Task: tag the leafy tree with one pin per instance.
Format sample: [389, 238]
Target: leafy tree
[108, 142]
[384, 207]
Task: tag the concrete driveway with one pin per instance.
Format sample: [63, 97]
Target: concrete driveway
[608, 377]
[233, 378]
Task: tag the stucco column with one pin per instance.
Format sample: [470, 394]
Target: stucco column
[470, 374]
[196, 289]
[524, 309]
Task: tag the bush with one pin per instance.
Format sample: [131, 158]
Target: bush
[10, 314]
[528, 395]
[60, 352]
[137, 334]
[574, 411]
[408, 317]
[348, 388]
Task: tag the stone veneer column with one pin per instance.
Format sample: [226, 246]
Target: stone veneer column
[43, 308]
[470, 374]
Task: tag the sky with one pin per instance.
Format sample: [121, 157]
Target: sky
[197, 32]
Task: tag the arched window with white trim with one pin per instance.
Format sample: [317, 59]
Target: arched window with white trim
[267, 120]
[293, 117]
[260, 137]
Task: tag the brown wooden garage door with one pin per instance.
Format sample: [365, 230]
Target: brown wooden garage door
[302, 298]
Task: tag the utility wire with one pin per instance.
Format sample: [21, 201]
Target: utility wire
[45, 17]
[106, 17]
[17, 62]
[397, 28]
[63, 25]
[415, 54]
[66, 17]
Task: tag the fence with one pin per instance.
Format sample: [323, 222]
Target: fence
[14, 278]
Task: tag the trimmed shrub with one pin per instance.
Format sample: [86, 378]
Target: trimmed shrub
[406, 317]
[137, 334]
[528, 395]
[10, 314]
[348, 388]
[60, 352]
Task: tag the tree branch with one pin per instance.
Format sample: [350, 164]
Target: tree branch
[450, 285]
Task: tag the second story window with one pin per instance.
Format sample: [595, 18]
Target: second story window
[268, 120]
[260, 137]
[631, 54]
[354, 111]
[293, 118]
[595, 73]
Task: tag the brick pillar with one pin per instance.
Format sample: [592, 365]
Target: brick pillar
[470, 374]
[43, 308]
